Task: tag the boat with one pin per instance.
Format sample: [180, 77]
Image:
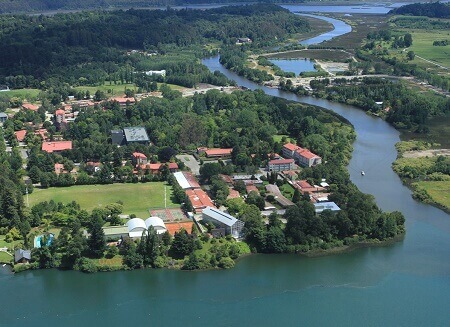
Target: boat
[362, 172]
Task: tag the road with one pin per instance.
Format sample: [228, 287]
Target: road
[190, 162]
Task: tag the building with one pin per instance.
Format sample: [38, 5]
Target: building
[136, 135]
[30, 106]
[220, 219]
[199, 199]
[20, 135]
[186, 180]
[123, 102]
[321, 206]
[59, 168]
[302, 156]
[60, 116]
[22, 256]
[156, 167]
[243, 40]
[117, 137]
[280, 165]
[218, 153]
[137, 226]
[139, 158]
[3, 117]
[57, 146]
[156, 73]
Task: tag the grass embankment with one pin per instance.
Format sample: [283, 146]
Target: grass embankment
[136, 198]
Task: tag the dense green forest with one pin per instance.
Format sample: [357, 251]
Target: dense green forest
[89, 48]
[434, 10]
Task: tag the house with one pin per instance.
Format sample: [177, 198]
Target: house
[233, 194]
[59, 168]
[304, 187]
[123, 102]
[117, 137]
[251, 188]
[186, 180]
[20, 135]
[30, 106]
[3, 117]
[218, 153]
[139, 158]
[22, 256]
[226, 178]
[60, 116]
[243, 40]
[199, 199]
[302, 156]
[156, 167]
[220, 219]
[280, 165]
[42, 132]
[57, 146]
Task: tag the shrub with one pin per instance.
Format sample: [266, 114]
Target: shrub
[226, 263]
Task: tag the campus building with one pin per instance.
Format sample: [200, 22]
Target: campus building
[220, 219]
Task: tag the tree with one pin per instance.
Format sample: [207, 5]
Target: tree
[209, 170]
[182, 244]
[166, 153]
[275, 240]
[411, 55]
[407, 39]
[148, 247]
[96, 241]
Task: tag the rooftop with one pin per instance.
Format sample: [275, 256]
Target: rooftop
[219, 215]
[321, 206]
[218, 152]
[281, 161]
[56, 146]
[136, 134]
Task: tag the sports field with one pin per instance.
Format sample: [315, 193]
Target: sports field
[136, 198]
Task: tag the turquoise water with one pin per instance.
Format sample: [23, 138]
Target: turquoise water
[37, 240]
[296, 66]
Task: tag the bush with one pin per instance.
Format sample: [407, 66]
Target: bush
[86, 265]
[226, 263]
[112, 252]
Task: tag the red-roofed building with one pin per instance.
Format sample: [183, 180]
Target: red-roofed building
[124, 101]
[42, 132]
[226, 178]
[218, 153]
[304, 187]
[199, 199]
[251, 188]
[30, 106]
[60, 116]
[280, 165]
[302, 156]
[59, 168]
[58, 146]
[233, 194]
[156, 167]
[139, 158]
[20, 135]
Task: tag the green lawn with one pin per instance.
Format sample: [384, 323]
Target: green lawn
[278, 137]
[136, 198]
[22, 93]
[287, 190]
[423, 46]
[5, 257]
[438, 190]
[110, 90]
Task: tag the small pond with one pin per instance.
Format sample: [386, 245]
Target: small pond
[296, 66]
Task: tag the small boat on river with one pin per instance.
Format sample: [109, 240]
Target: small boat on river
[362, 173]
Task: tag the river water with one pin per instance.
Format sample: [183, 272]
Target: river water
[405, 284]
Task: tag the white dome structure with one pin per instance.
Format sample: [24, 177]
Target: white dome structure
[136, 227]
[157, 223]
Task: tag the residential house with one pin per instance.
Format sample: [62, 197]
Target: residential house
[59, 168]
[139, 159]
[3, 117]
[20, 135]
[57, 146]
[22, 256]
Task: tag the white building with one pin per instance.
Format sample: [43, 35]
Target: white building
[137, 226]
[156, 73]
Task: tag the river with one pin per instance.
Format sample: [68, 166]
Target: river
[405, 284]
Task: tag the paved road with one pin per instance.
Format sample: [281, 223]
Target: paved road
[190, 162]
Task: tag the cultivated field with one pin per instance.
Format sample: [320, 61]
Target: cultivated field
[423, 47]
[136, 198]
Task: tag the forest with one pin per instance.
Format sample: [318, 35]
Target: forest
[433, 10]
[89, 48]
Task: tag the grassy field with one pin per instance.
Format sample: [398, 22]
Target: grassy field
[277, 138]
[438, 190]
[5, 257]
[423, 47]
[110, 90]
[28, 94]
[287, 190]
[136, 198]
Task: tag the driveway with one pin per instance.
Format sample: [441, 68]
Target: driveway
[190, 162]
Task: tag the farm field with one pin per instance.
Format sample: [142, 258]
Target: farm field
[423, 46]
[438, 190]
[136, 198]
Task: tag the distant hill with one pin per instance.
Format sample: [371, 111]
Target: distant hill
[434, 10]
